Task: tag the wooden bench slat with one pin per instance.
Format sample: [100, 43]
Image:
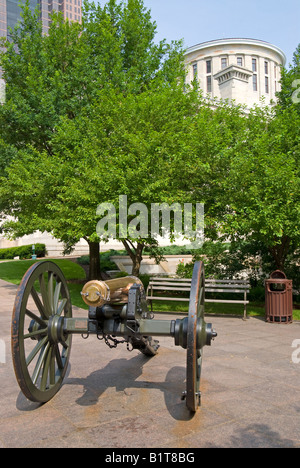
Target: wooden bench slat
[211, 286]
[240, 291]
[226, 301]
[160, 298]
[159, 285]
[207, 280]
[170, 288]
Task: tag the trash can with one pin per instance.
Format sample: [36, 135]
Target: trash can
[279, 298]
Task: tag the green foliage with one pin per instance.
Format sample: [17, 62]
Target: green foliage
[236, 259]
[290, 90]
[88, 107]
[23, 252]
[121, 274]
[97, 110]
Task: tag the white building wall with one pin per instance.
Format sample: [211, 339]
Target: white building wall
[237, 55]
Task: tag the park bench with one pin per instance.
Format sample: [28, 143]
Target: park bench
[158, 285]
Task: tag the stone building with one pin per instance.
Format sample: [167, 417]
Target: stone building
[239, 70]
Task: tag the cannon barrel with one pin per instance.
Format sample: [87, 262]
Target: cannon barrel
[97, 293]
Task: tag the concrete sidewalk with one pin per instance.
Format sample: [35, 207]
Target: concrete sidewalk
[116, 399]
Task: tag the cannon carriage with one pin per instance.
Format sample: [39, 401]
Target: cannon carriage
[43, 325]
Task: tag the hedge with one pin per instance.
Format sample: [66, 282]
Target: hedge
[24, 252]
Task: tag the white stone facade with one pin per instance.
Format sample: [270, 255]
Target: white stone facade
[244, 71]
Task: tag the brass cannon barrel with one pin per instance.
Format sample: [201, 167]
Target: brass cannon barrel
[97, 293]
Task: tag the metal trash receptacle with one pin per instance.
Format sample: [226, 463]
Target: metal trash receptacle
[279, 298]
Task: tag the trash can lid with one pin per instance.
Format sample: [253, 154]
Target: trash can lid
[278, 275]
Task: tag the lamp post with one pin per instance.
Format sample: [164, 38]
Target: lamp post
[33, 256]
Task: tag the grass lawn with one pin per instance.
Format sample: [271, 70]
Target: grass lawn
[211, 308]
[13, 272]
[253, 309]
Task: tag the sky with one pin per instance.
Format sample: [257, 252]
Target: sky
[196, 21]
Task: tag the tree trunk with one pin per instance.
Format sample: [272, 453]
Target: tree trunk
[279, 253]
[94, 271]
[135, 253]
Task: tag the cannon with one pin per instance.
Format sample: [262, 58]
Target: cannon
[43, 326]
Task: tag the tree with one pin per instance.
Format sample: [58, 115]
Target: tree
[263, 184]
[55, 84]
[289, 95]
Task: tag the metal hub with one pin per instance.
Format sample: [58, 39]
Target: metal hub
[56, 330]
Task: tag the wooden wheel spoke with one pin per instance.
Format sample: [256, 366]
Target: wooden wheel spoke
[51, 292]
[39, 364]
[39, 304]
[35, 318]
[52, 373]
[56, 297]
[45, 372]
[36, 349]
[40, 332]
[61, 307]
[45, 296]
[58, 358]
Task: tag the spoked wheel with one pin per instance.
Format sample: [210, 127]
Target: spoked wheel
[40, 349]
[195, 323]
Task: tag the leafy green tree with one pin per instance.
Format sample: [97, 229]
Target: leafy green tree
[72, 97]
[289, 94]
[262, 190]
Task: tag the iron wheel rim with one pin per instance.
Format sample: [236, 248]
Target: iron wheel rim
[40, 366]
[194, 355]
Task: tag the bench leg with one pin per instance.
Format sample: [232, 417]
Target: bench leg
[245, 306]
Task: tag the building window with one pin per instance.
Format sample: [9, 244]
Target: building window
[267, 85]
[254, 78]
[240, 61]
[208, 66]
[208, 84]
[223, 62]
[254, 65]
[195, 70]
[266, 68]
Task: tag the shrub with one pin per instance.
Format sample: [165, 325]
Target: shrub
[24, 252]
[105, 262]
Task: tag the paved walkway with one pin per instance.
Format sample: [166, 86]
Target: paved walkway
[116, 399]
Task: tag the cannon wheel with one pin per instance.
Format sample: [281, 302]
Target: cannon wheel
[194, 355]
[40, 350]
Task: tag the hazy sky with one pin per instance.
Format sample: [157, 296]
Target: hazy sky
[195, 21]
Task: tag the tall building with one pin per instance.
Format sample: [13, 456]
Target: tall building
[10, 12]
[239, 70]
